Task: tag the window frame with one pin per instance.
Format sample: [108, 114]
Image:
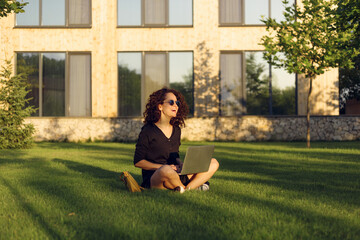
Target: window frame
[243, 75]
[67, 80]
[167, 69]
[243, 13]
[67, 25]
[142, 14]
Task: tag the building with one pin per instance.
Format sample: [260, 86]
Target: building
[92, 65]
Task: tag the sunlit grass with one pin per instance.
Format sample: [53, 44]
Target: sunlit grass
[262, 191]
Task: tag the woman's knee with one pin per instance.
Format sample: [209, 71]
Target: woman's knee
[214, 164]
[167, 171]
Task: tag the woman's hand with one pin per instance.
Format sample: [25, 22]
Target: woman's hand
[174, 167]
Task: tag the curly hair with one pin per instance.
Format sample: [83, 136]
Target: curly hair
[152, 113]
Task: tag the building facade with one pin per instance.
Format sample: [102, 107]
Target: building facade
[92, 60]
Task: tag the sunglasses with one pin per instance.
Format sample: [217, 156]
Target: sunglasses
[172, 102]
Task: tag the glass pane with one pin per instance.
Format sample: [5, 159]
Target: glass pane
[31, 15]
[257, 84]
[129, 84]
[283, 92]
[232, 99]
[180, 12]
[79, 86]
[230, 11]
[278, 8]
[155, 12]
[181, 75]
[155, 73]
[53, 12]
[255, 10]
[79, 12]
[28, 63]
[53, 84]
[129, 12]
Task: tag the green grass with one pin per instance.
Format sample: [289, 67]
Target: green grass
[261, 191]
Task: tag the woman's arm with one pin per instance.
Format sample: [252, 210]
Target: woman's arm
[146, 165]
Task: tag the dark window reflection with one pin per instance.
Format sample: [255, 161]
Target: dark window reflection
[257, 84]
[28, 63]
[53, 84]
[129, 84]
[283, 92]
[181, 75]
[260, 97]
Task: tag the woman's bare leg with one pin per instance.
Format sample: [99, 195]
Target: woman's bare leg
[200, 178]
[165, 178]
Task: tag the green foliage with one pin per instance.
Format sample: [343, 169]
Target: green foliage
[13, 110]
[283, 101]
[9, 6]
[349, 83]
[309, 39]
[256, 81]
[129, 92]
[257, 87]
[257, 92]
[186, 88]
[349, 19]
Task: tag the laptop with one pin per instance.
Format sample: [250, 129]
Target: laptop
[197, 159]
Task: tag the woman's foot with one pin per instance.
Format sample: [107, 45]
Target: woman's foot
[179, 189]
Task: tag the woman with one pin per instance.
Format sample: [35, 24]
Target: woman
[157, 148]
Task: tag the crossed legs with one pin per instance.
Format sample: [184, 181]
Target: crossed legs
[167, 178]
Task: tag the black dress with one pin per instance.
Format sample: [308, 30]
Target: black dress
[155, 147]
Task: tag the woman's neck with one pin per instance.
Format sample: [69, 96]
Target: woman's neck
[163, 123]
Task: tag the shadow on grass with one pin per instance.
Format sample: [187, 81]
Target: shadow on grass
[101, 146]
[316, 174]
[12, 156]
[36, 216]
[96, 172]
[320, 153]
[308, 218]
[78, 190]
[218, 214]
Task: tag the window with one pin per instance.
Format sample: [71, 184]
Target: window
[249, 85]
[53, 91]
[250, 12]
[232, 84]
[153, 13]
[142, 73]
[55, 13]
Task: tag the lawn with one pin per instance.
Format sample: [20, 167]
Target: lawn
[265, 190]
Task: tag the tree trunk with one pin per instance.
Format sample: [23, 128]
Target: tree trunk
[308, 115]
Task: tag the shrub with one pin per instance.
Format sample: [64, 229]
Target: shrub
[14, 108]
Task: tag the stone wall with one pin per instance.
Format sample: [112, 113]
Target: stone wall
[245, 128]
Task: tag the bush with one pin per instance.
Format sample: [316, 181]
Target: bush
[14, 108]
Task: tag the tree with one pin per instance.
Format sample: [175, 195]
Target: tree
[186, 87]
[309, 40]
[257, 87]
[9, 6]
[129, 81]
[13, 110]
[349, 19]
